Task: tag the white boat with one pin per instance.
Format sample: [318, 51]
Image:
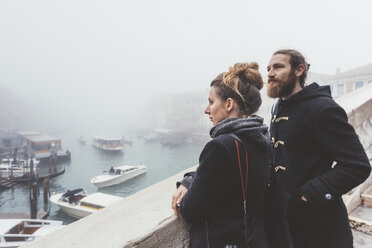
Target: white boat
[78, 204]
[108, 144]
[20, 162]
[16, 232]
[118, 175]
[9, 169]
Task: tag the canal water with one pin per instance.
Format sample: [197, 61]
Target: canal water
[87, 162]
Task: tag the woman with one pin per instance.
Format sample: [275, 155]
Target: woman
[214, 201]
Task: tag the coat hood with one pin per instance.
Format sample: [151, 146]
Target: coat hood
[251, 127]
[311, 91]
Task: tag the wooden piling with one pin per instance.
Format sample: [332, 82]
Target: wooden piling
[46, 190]
[33, 192]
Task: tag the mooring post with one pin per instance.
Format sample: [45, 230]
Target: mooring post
[11, 171]
[46, 189]
[33, 192]
[34, 199]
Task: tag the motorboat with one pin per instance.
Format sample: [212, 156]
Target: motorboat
[10, 171]
[19, 162]
[118, 175]
[17, 232]
[78, 203]
[108, 144]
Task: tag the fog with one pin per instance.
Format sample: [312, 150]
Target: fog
[102, 64]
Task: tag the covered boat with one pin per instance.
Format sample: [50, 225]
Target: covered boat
[118, 175]
[16, 232]
[78, 204]
[46, 148]
[108, 144]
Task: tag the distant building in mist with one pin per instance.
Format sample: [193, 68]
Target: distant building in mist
[176, 118]
[344, 82]
[12, 113]
[8, 142]
[178, 111]
[186, 111]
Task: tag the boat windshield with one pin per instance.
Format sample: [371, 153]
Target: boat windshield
[73, 196]
[129, 169]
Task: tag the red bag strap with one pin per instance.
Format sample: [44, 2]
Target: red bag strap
[244, 189]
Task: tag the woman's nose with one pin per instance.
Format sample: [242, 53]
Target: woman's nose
[206, 111]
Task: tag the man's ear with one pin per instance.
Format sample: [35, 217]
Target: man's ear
[229, 104]
[299, 70]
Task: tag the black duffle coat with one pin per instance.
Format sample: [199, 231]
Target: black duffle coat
[213, 203]
[316, 154]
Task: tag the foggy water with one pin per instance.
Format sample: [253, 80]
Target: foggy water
[87, 162]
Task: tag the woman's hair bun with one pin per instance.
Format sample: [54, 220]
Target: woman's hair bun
[242, 83]
[247, 73]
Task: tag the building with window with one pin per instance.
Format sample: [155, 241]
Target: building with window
[8, 142]
[344, 82]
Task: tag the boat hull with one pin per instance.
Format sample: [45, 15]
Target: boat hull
[88, 204]
[49, 158]
[27, 178]
[117, 179]
[17, 232]
[74, 212]
[108, 149]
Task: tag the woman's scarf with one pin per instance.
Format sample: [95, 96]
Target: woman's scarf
[251, 127]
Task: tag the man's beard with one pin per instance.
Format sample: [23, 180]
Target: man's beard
[282, 88]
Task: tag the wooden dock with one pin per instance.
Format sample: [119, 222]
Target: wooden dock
[40, 215]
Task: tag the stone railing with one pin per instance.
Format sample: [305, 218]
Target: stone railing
[358, 106]
[145, 219]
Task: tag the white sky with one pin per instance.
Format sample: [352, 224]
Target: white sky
[89, 54]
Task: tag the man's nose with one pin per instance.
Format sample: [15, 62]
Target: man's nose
[270, 73]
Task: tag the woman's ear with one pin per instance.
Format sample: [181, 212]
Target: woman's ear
[229, 104]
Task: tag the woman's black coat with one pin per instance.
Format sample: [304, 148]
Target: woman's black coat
[213, 203]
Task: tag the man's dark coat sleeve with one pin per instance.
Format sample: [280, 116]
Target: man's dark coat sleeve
[339, 142]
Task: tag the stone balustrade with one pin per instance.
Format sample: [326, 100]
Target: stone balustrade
[358, 106]
[144, 219]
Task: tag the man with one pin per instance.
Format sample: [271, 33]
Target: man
[317, 157]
